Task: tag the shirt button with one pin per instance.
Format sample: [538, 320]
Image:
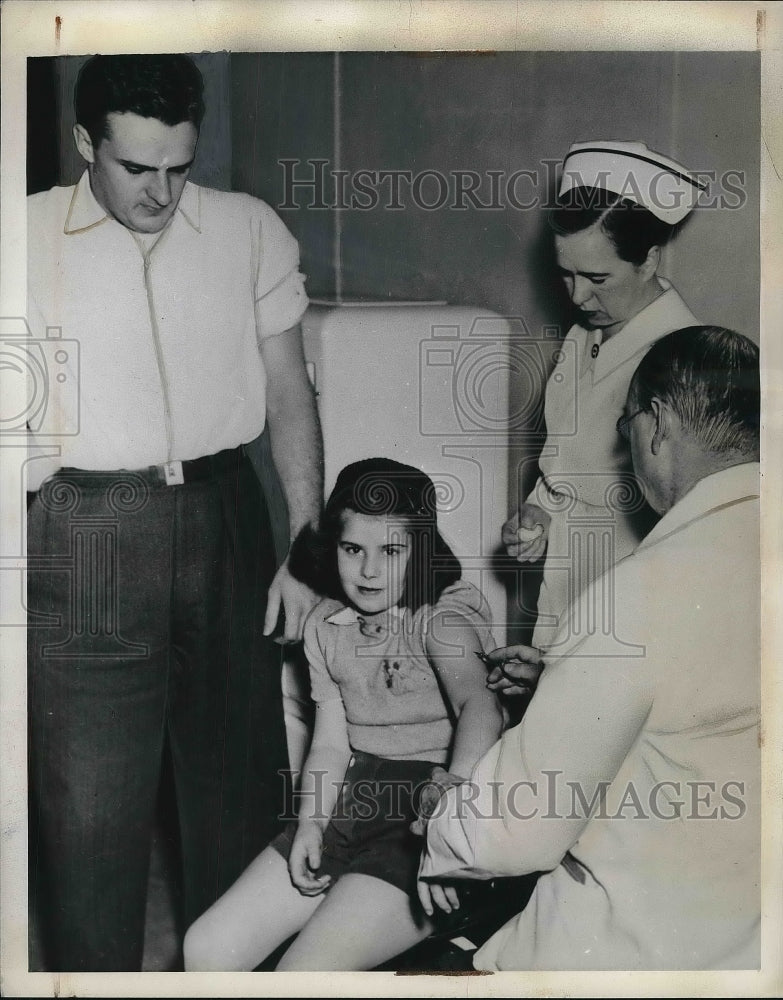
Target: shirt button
[594, 351]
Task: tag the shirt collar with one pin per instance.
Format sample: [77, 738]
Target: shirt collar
[84, 211]
[667, 312]
[739, 482]
[190, 205]
[349, 615]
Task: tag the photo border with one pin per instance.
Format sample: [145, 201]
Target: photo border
[73, 27]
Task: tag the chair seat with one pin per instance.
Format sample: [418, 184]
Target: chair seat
[484, 908]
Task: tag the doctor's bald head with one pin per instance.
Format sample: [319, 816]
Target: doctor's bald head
[693, 408]
[710, 377]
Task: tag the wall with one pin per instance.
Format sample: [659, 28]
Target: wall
[483, 112]
[502, 112]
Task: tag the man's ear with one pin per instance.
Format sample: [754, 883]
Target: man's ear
[84, 143]
[662, 424]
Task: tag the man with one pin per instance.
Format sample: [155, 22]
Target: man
[632, 781]
[148, 536]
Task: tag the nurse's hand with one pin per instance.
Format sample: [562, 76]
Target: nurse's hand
[514, 669]
[525, 536]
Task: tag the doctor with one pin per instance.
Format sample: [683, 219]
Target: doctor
[619, 204]
[633, 780]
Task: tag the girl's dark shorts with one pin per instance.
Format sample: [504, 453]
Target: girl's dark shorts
[369, 832]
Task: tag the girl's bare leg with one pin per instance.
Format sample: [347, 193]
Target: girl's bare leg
[260, 911]
[362, 922]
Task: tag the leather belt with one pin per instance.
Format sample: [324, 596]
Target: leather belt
[168, 474]
[176, 473]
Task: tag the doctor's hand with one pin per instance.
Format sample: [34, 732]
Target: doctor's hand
[297, 601]
[526, 534]
[440, 782]
[514, 669]
[432, 894]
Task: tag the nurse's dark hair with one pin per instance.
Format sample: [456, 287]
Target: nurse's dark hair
[632, 229]
[710, 377]
[168, 87]
[379, 487]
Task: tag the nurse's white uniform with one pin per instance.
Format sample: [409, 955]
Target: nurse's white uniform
[587, 486]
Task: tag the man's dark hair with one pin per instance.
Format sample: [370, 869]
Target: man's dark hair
[380, 487]
[631, 228]
[167, 87]
[710, 377]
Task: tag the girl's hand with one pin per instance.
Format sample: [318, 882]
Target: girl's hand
[305, 860]
[432, 894]
[526, 534]
[440, 782]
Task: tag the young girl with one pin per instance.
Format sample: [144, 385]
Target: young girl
[400, 694]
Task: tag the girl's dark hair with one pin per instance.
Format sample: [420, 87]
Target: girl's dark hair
[631, 228]
[379, 486]
[167, 87]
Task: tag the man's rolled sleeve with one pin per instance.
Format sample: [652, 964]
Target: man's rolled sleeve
[280, 297]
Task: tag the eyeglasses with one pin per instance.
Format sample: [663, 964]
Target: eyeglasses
[624, 423]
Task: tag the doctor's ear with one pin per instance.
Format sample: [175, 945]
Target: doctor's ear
[662, 416]
[84, 143]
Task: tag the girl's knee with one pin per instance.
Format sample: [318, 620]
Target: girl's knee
[204, 949]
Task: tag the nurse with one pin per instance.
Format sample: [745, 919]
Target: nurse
[619, 203]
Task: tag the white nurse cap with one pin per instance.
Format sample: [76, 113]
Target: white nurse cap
[632, 170]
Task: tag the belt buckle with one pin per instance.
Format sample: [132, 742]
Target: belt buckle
[173, 474]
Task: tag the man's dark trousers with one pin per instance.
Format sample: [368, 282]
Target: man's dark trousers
[146, 606]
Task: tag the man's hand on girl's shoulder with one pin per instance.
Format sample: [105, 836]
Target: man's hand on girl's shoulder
[297, 601]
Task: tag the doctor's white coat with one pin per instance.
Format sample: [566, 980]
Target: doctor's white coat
[656, 712]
